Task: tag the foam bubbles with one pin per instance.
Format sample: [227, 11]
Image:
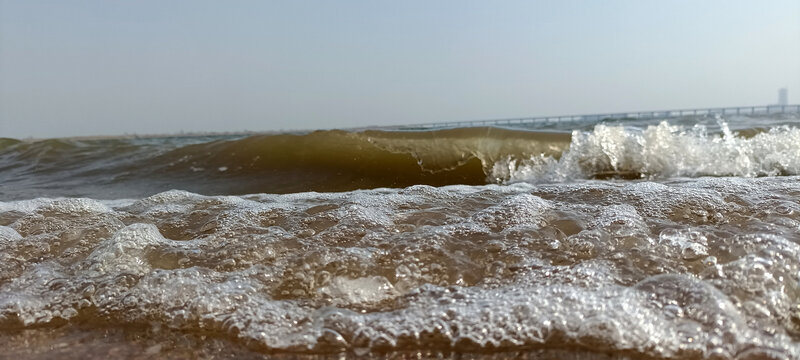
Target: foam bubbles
[674, 269]
[661, 151]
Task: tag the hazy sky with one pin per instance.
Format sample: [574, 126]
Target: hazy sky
[111, 67]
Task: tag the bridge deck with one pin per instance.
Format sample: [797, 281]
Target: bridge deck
[663, 114]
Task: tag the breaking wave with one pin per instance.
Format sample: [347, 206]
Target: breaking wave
[282, 163]
[343, 161]
[662, 151]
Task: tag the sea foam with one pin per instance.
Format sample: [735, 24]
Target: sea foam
[661, 151]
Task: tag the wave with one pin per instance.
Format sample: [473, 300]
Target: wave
[337, 160]
[346, 160]
[319, 161]
[6, 142]
[662, 151]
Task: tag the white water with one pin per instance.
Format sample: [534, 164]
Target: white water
[698, 268]
[659, 152]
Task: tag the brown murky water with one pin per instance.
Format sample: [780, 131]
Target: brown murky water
[668, 266]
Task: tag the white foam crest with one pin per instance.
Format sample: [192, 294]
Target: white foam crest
[364, 290]
[23, 206]
[8, 235]
[661, 151]
[523, 209]
[56, 205]
[125, 251]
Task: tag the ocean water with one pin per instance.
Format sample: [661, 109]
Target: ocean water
[671, 239]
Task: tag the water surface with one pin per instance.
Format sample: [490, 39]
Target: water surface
[659, 240]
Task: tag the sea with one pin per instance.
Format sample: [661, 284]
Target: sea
[616, 239]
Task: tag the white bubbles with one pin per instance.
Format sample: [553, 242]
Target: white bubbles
[646, 269]
[366, 290]
[691, 244]
[518, 210]
[662, 151]
[74, 207]
[7, 235]
[125, 251]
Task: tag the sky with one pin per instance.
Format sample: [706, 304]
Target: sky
[73, 68]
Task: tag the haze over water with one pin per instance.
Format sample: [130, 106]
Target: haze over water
[87, 67]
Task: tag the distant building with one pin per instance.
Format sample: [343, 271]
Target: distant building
[783, 96]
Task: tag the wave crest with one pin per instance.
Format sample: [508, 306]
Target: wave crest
[661, 151]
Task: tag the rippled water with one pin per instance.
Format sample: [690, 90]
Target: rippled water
[672, 264]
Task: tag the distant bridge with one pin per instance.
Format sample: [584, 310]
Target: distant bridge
[576, 119]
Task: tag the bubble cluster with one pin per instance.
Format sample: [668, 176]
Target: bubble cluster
[701, 268]
[658, 152]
